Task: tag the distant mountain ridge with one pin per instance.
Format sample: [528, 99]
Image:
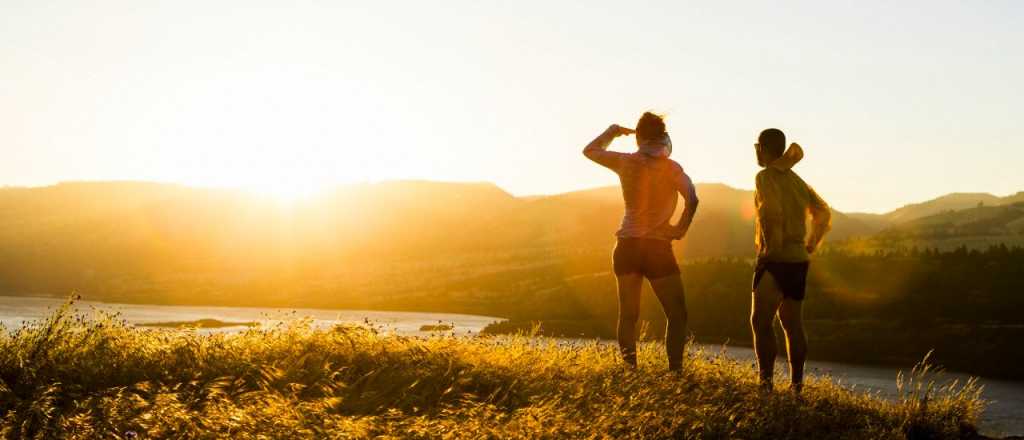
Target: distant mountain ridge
[943, 204]
[469, 202]
[977, 227]
[139, 236]
[948, 202]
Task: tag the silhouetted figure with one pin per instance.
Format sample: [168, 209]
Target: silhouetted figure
[782, 201]
[651, 184]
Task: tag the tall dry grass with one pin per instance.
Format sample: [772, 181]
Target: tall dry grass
[75, 376]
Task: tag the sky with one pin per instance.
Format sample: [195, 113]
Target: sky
[893, 102]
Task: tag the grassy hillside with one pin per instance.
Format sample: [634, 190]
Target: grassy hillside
[876, 222]
[976, 227]
[999, 220]
[94, 377]
[949, 202]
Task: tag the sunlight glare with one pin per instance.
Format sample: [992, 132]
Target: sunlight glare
[287, 192]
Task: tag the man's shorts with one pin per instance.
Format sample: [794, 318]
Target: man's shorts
[790, 277]
[649, 257]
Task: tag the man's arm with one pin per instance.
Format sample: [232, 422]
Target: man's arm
[689, 193]
[821, 219]
[597, 149]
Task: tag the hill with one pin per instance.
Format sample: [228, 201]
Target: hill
[972, 220]
[96, 377]
[976, 227]
[874, 222]
[150, 242]
[151, 239]
[908, 214]
[949, 202]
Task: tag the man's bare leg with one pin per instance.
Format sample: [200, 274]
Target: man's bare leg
[764, 305]
[629, 313]
[791, 316]
[671, 294]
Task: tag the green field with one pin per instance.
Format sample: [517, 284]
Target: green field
[98, 377]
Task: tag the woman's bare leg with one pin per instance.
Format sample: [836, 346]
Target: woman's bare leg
[629, 313]
[671, 294]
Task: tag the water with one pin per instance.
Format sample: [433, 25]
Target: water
[1004, 416]
[15, 311]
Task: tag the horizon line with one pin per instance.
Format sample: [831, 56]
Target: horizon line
[329, 188]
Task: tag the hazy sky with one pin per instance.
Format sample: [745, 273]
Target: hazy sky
[894, 102]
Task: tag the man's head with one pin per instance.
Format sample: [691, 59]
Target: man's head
[650, 127]
[770, 146]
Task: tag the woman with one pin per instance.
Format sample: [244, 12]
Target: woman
[651, 183]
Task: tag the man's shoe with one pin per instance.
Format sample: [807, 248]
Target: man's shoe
[797, 388]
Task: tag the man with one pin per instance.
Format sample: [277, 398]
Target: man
[782, 202]
[651, 185]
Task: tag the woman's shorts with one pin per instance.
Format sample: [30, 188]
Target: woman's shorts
[790, 277]
[649, 257]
